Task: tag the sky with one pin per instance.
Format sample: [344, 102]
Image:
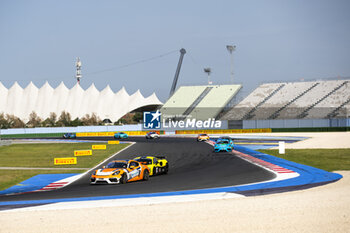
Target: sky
[135, 44]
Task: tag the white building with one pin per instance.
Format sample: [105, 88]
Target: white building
[78, 102]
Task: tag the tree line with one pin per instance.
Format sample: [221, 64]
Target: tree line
[8, 121]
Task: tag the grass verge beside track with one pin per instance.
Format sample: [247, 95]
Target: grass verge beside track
[326, 159]
[9, 178]
[41, 155]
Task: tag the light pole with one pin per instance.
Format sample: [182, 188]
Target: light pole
[208, 71]
[78, 75]
[231, 48]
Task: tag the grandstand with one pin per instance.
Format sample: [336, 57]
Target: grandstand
[199, 102]
[294, 100]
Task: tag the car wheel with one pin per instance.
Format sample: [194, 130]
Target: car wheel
[166, 169]
[146, 175]
[154, 171]
[124, 179]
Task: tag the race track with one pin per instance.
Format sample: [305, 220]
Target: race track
[193, 165]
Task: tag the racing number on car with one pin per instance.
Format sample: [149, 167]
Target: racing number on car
[138, 170]
[135, 172]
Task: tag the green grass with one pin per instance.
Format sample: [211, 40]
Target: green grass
[8, 178]
[41, 155]
[326, 159]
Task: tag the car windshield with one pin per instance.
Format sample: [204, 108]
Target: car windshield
[117, 165]
[146, 161]
[222, 142]
[121, 133]
[202, 135]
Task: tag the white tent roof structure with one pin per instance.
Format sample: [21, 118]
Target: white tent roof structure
[78, 102]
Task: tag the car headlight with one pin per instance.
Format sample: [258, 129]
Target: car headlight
[116, 173]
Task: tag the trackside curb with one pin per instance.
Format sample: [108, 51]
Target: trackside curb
[308, 176]
[290, 175]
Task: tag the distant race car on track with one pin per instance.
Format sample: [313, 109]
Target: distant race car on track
[156, 164]
[120, 171]
[202, 137]
[223, 145]
[152, 135]
[120, 135]
[69, 135]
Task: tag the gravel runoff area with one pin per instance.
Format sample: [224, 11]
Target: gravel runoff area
[320, 209]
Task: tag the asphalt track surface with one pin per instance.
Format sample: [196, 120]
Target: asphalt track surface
[192, 165]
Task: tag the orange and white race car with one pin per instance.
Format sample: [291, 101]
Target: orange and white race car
[202, 137]
[120, 171]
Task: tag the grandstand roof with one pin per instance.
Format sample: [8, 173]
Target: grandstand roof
[76, 101]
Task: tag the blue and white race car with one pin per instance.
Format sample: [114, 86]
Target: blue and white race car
[69, 135]
[120, 135]
[223, 145]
